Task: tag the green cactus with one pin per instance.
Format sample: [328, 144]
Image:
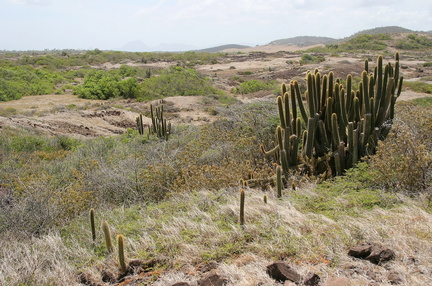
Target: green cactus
[121, 253]
[279, 183]
[340, 124]
[140, 125]
[107, 234]
[242, 206]
[160, 127]
[92, 224]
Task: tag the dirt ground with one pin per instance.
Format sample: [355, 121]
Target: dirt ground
[69, 115]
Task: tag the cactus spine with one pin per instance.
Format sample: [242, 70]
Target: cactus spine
[121, 253]
[339, 125]
[107, 234]
[92, 224]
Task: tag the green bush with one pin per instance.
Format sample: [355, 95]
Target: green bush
[414, 42]
[19, 81]
[254, 85]
[105, 85]
[311, 59]
[173, 82]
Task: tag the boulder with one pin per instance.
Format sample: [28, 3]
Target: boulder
[280, 271]
[372, 252]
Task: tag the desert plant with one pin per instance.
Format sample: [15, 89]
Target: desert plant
[92, 224]
[279, 181]
[140, 125]
[341, 125]
[107, 234]
[242, 206]
[121, 253]
[159, 123]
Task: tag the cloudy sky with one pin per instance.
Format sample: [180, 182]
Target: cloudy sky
[165, 24]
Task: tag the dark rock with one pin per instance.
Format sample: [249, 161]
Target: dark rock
[212, 279]
[373, 252]
[395, 278]
[311, 279]
[280, 271]
[181, 284]
[360, 251]
[108, 277]
[87, 279]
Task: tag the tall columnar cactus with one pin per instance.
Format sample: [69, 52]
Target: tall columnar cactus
[92, 224]
[121, 253]
[107, 234]
[160, 127]
[339, 125]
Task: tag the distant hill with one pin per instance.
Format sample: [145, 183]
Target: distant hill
[304, 41]
[382, 30]
[221, 48]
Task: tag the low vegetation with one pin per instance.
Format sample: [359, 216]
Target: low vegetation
[177, 203]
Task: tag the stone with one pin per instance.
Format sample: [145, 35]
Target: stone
[181, 284]
[372, 252]
[280, 271]
[108, 276]
[311, 279]
[212, 279]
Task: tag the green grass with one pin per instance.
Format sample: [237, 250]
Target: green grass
[418, 86]
[352, 195]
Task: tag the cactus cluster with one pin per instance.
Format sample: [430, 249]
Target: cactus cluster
[338, 125]
[160, 127]
[108, 241]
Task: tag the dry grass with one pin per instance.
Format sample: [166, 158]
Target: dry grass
[189, 231]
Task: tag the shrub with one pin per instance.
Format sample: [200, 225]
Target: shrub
[402, 162]
[254, 85]
[175, 81]
[105, 85]
[311, 59]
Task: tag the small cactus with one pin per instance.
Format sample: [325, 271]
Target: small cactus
[279, 182]
[121, 253]
[242, 205]
[92, 223]
[108, 240]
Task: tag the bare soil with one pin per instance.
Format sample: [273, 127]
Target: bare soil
[67, 114]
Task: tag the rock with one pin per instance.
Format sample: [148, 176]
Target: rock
[338, 281]
[380, 254]
[360, 251]
[280, 271]
[108, 277]
[181, 284]
[373, 252]
[395, 278]
[212, 279]
[311, 279]
[87, 279]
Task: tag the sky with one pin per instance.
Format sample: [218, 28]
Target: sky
[194, 24]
